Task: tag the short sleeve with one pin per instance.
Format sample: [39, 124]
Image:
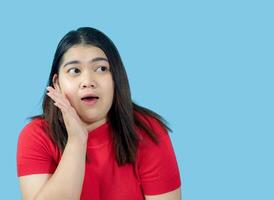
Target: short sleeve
[35, 152]
[156, 164]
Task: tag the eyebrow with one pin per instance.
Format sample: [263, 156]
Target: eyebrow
[91, 61]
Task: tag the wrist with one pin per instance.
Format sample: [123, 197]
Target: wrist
[78, 140]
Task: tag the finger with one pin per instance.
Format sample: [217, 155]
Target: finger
[52, 90]
[59, 93]
[57, 101]
[60, 100]
[58, 89]
[62, 106]
[59, 106]
[57, 96]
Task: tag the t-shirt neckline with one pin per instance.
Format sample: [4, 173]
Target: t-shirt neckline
[99, 136]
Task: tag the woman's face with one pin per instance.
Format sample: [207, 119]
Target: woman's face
[85, 71]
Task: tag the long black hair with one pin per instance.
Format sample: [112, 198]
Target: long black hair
[124, 114]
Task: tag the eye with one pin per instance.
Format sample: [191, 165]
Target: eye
[74, 70]
[102, 69]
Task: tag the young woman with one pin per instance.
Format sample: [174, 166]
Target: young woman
[92, 142]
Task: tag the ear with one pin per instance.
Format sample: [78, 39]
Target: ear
[55, 81]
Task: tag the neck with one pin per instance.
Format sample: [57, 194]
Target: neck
[94, 125]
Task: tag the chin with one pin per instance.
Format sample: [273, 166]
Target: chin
[92, 117]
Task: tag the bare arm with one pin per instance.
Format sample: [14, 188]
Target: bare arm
[66, 182]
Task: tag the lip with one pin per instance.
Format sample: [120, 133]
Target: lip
[90, 102]
[89, 95]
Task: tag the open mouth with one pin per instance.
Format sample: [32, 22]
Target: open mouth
[90, 98]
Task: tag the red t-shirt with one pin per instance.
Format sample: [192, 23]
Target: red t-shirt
[155, 171]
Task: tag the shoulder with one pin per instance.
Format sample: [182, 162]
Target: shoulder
[152, 123]
[156, 164]
[36, 129]
[150, 144]
[37, 124]
[35, 137]
[147, 146]
[36, 153]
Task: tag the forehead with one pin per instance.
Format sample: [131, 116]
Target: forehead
[83, 53]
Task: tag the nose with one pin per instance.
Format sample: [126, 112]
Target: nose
[88, 81]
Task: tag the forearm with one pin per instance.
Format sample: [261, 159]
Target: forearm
[66, 182]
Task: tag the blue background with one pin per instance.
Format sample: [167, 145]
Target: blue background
[206, 66]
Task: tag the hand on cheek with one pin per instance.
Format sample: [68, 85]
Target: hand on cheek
[59, 99]
[74, 125]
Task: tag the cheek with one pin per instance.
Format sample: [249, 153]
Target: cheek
[66, 83]
[68, 89]
[109, 91]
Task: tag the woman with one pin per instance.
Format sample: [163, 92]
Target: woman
[92, 141]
